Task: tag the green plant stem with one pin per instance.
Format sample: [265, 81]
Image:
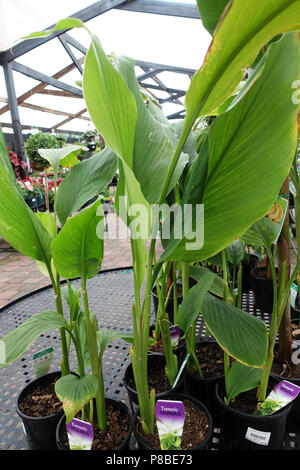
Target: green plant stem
[175, 300]
[93, 352]
[275, 322]
[77, 344]
[171, 359]
[240, 287]
[65, 366]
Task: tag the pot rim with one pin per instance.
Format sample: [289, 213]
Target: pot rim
[29, 385]
[271, 417]
[180, 396]
[151, 357]
[107, 399]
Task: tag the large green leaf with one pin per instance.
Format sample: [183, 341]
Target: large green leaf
[245, 29]
[241, 378]
[240, 334]
[84, 182]
[78, 248]
[235, 252]
[75, 392]
[65, 156]
[191, 305]
[19, 226]
[18, 340]
[154, 139]
[210, 12]
[198, 272]
[257, 137]
[261, 233]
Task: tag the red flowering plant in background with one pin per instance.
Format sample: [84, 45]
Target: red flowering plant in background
[18, 165]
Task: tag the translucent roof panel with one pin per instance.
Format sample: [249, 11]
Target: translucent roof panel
[151, 38]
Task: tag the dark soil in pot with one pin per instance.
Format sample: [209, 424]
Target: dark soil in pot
[157, 378]
[170, 304]
[292, 374]
[241, 430]
[263, 289]
[158, 347]
[117, 436]
[211, 360]
[197, 428]
[40, 410]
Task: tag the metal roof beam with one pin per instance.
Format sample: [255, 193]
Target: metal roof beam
[41, 77]
[85, 14]
[160, 7]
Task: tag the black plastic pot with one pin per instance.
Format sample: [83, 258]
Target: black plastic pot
[248, 264]
[263, 290]
[204, 389]
[108, 401]
[268, 431]
[170, 304]
[39, 431]
[178, 351]
[295, 312]
[155, 361]
[204, 445]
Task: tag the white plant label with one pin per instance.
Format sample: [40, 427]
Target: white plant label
[294, 292]
[42, 362]
[258, 437]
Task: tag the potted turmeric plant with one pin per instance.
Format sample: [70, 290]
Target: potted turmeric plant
[151, 158]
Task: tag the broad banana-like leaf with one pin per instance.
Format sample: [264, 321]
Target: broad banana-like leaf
[18, 340]
[217, 286]
[75, 392]
[245, 28]
[235, 252]
[241, 378]
[48, 222]
[191, 305]
[240, 334]
[251, 148]
[261, 233]
[19, 226]
[65, 156]
[211, 12]
[104, 337]
[78, 248]
[84, 182]
[154, 139]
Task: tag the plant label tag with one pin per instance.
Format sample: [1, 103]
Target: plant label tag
[259, 437]
[282, 394]
[284, 205]
[80, 434]
[292, 188]
[169, 420]
[42, 362]
[174, 335]
[294, 292]
[180, 371]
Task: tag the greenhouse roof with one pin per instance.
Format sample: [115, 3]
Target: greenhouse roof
[42, 73]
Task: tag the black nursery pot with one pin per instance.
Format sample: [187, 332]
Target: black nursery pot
[265, 432]
[248, 265]
[155, 362]
[39, 431]
[295, 311]
[204, 389]
[108, 401]
[170, 304]
[178, 351]
[204, 445]
[263, 290]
